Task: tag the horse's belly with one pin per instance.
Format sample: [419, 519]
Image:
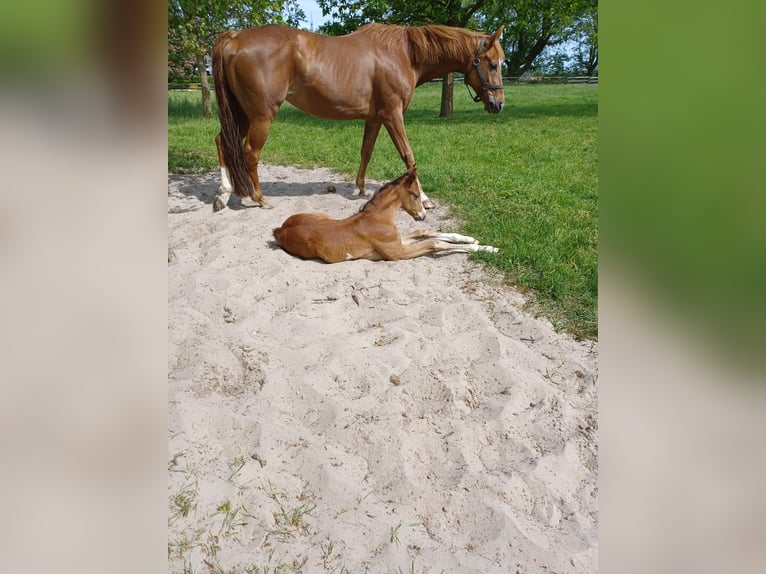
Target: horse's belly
[329, 106]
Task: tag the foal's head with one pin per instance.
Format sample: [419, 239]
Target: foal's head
[409, 194]
[405, 190]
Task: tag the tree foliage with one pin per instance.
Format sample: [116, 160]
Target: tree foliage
[348, 15]
[585, 37]
[532, 26]
[577, 54]
[193, 26]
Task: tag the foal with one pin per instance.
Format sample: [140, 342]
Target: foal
[371, 233]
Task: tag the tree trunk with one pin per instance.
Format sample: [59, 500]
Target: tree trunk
[448, 84]
[207, 106]
[592, 60]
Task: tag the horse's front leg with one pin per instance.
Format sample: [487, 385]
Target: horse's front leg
[395, 128]
[371, 130]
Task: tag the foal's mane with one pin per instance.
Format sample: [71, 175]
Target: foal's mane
[377, 193]
[427, 44]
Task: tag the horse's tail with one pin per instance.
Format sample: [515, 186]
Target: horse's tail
[231, 117]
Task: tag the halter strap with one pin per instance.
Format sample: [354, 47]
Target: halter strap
[476, 64]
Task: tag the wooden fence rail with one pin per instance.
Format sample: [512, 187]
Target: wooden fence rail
[458, 77]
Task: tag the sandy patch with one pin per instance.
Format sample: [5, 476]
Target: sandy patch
[365, 416]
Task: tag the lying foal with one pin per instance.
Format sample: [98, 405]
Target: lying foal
[371, 233]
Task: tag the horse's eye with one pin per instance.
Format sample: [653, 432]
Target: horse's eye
[492, 66]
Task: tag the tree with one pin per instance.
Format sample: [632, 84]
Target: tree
[532, 26]
[193, 26]
[585, 33]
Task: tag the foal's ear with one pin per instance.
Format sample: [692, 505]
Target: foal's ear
[412, 172]
[496, 36]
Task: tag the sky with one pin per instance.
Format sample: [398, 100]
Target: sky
[314, 17]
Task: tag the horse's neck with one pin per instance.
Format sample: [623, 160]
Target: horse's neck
[444, 64]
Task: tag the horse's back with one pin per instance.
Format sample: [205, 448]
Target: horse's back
[304, 219]
[331, 77]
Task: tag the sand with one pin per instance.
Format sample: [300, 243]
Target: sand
[365, 416]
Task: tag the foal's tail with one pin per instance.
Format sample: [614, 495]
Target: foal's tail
[231, 117]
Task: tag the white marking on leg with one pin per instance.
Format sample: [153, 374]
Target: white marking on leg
[224, 190]
[467, 248]
[423, 196]
[456, 238]
[226, 180]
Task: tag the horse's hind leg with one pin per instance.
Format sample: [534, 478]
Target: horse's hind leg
[225, 189]
[256, 137]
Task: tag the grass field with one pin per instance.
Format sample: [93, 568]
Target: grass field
[525, 180]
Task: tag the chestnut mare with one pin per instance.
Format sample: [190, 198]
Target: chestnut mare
[371, 233]
[369, 74]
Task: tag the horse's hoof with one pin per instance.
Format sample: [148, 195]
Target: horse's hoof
[428, 204]
[218, 204]
[266, 205]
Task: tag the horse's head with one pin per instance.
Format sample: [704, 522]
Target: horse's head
[485, 75]
[409, 194]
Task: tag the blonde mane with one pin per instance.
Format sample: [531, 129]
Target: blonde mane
[427, 44]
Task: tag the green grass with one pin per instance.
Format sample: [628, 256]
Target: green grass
[525, 180]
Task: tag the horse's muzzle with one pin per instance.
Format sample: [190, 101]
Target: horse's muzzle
[493, 106]
[420, 216]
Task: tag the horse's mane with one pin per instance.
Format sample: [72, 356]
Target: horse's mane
[427, 44]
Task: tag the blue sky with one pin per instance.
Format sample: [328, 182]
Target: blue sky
[314, 16]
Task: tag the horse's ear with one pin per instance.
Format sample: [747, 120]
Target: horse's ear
[412, 172]
[496, 36]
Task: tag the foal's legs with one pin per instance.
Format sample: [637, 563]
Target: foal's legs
[371, 130]
[257, 133]
[448, 237]
[395, 252]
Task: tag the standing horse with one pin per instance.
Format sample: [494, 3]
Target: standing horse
[369, 74]
[372, 233]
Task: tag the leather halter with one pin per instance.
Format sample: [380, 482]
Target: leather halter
[476, 64]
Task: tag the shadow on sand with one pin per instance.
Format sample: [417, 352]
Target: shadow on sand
[204, 188]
